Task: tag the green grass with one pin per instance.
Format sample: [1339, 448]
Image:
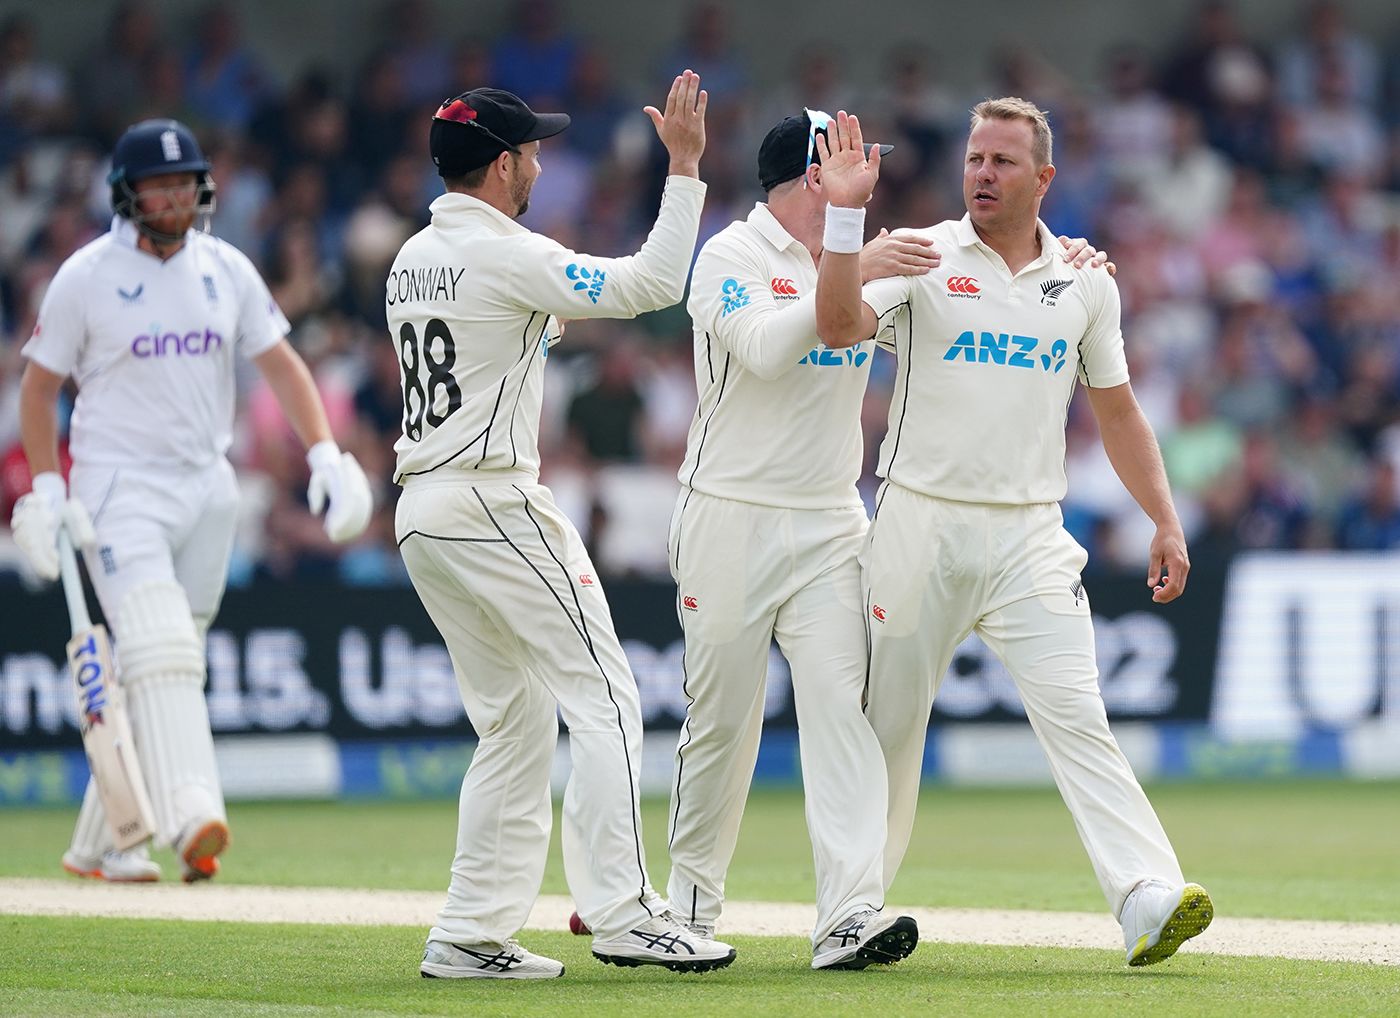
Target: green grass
[1317, 850]
[85, 967]
[1323, 850]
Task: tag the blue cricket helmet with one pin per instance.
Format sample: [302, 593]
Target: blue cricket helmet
[153, 147]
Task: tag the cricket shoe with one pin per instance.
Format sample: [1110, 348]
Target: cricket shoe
[866, 938]
[486, 961]
[705, 931]
[199, 848]
[661, 940]
[1159, 917]
[130, 867]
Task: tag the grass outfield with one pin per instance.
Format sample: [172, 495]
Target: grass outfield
[1320, 850]
[85, 967]
[1287, 850]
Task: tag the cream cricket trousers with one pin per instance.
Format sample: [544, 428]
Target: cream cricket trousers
[936, 570]
[506, 580]
[748, 574]
[161, 529]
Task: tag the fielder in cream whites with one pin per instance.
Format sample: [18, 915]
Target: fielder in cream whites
[764, 544]
[146, 320]
[474, 303]
[967, 534]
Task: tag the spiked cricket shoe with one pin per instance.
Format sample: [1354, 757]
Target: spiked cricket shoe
[664, 941]
[133, 866]
[866, 938]
[1159, 917]
[486, 961]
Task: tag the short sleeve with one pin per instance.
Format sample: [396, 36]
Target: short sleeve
[261, 323]
[60, 331]
[885, 297]
[1102, 363]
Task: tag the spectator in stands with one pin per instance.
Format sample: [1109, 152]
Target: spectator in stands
[1371, 520]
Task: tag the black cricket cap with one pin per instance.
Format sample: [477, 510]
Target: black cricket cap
[475, 127]
[783, 154]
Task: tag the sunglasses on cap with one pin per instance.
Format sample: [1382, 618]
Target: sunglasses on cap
[459, 112]
[816, 121]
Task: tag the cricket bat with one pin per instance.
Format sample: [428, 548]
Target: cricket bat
[102, 717]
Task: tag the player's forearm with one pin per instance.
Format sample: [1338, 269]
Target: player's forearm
[1137, 460]
[38, 418]
[291, 382]
[838, 299]
[771, 345]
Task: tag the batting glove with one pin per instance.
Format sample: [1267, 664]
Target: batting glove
[36, 520]
[336, 477]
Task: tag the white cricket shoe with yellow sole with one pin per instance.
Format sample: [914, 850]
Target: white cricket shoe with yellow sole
[1159, 917]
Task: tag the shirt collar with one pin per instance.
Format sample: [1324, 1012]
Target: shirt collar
[453, 208]
[768, 227]
[1050, 248]
[125, 233]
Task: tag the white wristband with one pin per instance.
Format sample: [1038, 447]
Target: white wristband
[845, 230]
[323, 454]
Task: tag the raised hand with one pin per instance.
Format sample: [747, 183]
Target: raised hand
[848, 178]
[682, 127]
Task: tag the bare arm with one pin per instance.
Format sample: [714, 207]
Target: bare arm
[1132, 449]
[291, 383]
[38, 418]
[848, 179]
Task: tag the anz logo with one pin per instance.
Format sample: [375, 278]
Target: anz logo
[850, 357]
[1006, 349]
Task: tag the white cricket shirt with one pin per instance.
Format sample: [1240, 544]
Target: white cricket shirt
[987, 364]
[778, 420]
[150, 344]
[473, 302]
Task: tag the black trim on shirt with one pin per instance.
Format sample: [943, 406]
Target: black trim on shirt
[906, 366]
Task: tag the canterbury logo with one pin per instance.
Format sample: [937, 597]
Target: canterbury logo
[784, 286]
[1052, 288]
[585, 579]
[878, 612]
[963, 284]
[690, 603]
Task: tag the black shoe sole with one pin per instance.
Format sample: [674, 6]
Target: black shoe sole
[885, 948]
[677, 965]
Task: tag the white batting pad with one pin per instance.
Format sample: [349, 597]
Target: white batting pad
[91, 835]
[161, 659]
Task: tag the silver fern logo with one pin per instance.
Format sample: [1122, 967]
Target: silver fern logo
[1051, 289]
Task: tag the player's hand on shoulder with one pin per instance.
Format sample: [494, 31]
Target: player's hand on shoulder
[36, 521]
[897, 254]
[681, 127]
[338, 485]
[1080, 253]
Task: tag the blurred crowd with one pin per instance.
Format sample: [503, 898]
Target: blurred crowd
[1248, 189]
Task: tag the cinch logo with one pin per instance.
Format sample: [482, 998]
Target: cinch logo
[591, 282]
[1003, 348]
[690, 604]
[878, 612]
[850, 357]
[784, 288]
[585, 579]
[173, 344]
[732, 297]
[963, 286]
